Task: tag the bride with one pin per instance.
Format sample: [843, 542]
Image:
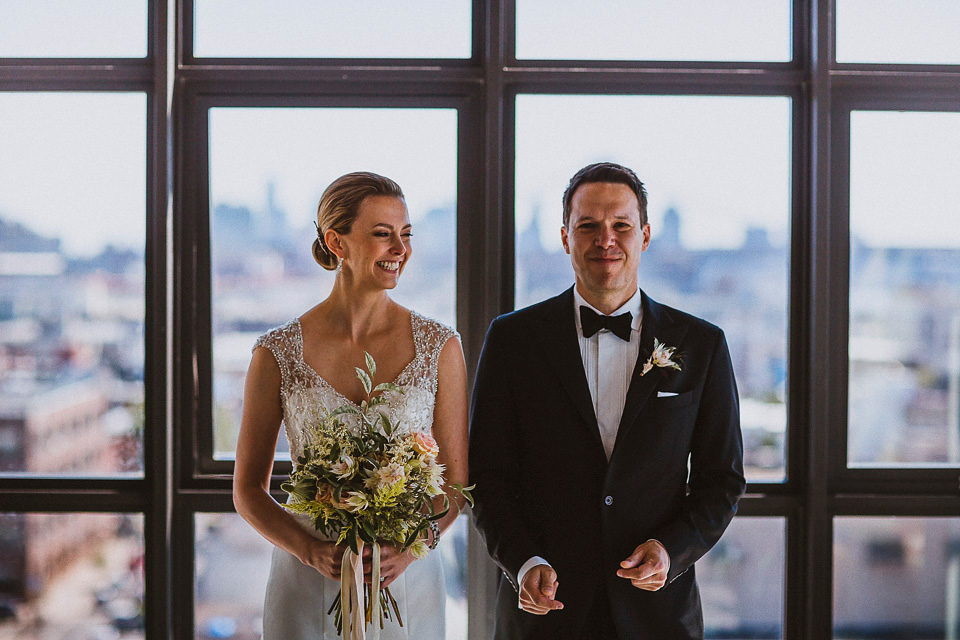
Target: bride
[363, 233]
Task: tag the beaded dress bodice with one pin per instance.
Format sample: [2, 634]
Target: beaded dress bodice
[303, 392]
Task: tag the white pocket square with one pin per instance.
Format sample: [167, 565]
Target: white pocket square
[666, 394]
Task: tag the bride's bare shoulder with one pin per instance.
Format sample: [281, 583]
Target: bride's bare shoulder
[314, 314]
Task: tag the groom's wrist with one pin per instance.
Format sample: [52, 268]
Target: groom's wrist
[524, 570]
[529, 564]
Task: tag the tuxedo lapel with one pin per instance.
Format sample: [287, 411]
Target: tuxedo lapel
[658, 324]
[556, 331]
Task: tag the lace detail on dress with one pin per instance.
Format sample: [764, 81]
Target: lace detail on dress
[304, 394]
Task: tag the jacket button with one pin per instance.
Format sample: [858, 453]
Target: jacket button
[608, 500]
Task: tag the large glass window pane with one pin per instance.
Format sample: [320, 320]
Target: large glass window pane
[898, 31]
[71, 29]
[896, 578]
[741, 580]
[71, 575]
[904, 348]
[268, 168]
[309, 29]
[717, 170]
[72, 236]
[233, 561]
[721, 30]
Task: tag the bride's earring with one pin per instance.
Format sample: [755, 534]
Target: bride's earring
[339, 266]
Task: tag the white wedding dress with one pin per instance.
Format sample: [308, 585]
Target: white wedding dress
[298, 597]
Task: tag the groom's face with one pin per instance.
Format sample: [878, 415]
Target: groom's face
[605, 238]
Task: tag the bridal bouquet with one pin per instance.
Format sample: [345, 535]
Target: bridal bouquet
[370, 485]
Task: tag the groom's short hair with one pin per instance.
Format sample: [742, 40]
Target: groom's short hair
[605, 172]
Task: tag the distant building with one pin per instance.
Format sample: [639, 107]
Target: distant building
[53, 429]
[25, 253]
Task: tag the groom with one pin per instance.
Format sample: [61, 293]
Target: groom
[581, 436]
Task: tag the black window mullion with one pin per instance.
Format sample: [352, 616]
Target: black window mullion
[489, 268]
[157, 445]
[72, 494]
[809, 596]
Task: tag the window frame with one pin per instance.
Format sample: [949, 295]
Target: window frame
[903, 95]
[192, 231]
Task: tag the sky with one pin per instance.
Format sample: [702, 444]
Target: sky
[73, 165]
[308, 28]
[905, 178]
[722, 162]
[654, 29]
[303, 150]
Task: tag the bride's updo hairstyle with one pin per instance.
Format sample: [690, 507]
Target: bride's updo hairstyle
[340, 204]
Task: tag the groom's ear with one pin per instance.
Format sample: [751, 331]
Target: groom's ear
[563, 238]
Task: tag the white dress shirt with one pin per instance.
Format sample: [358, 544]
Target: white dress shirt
[608, 363]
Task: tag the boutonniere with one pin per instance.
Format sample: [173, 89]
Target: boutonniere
[662, 356]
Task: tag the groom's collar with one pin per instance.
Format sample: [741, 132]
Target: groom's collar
[633, 306]
[558, 310]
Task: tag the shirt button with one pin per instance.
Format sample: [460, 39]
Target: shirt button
[608, 500]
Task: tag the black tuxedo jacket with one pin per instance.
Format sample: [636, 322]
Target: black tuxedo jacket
[545, 488]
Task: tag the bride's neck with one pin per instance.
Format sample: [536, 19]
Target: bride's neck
[357, 312]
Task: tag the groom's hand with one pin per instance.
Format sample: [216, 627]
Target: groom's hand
[538, 589]
[647, 566]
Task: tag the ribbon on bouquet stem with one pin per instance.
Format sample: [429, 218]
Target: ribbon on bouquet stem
[375, 592]
[353, 611]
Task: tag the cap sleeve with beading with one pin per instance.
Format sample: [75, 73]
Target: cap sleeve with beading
[431, 337]
[282, 343]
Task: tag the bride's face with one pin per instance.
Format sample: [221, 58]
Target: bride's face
[378, 245]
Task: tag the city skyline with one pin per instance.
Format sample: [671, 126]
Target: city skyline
[549, 238]
[882, 194]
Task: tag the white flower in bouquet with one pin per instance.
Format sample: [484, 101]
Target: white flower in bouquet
[419, 549]
[344, 466]
[357, 501]
[386, 476]
[392, 474]
[434, 477]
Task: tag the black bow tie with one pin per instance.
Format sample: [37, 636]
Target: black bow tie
[591, 322]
